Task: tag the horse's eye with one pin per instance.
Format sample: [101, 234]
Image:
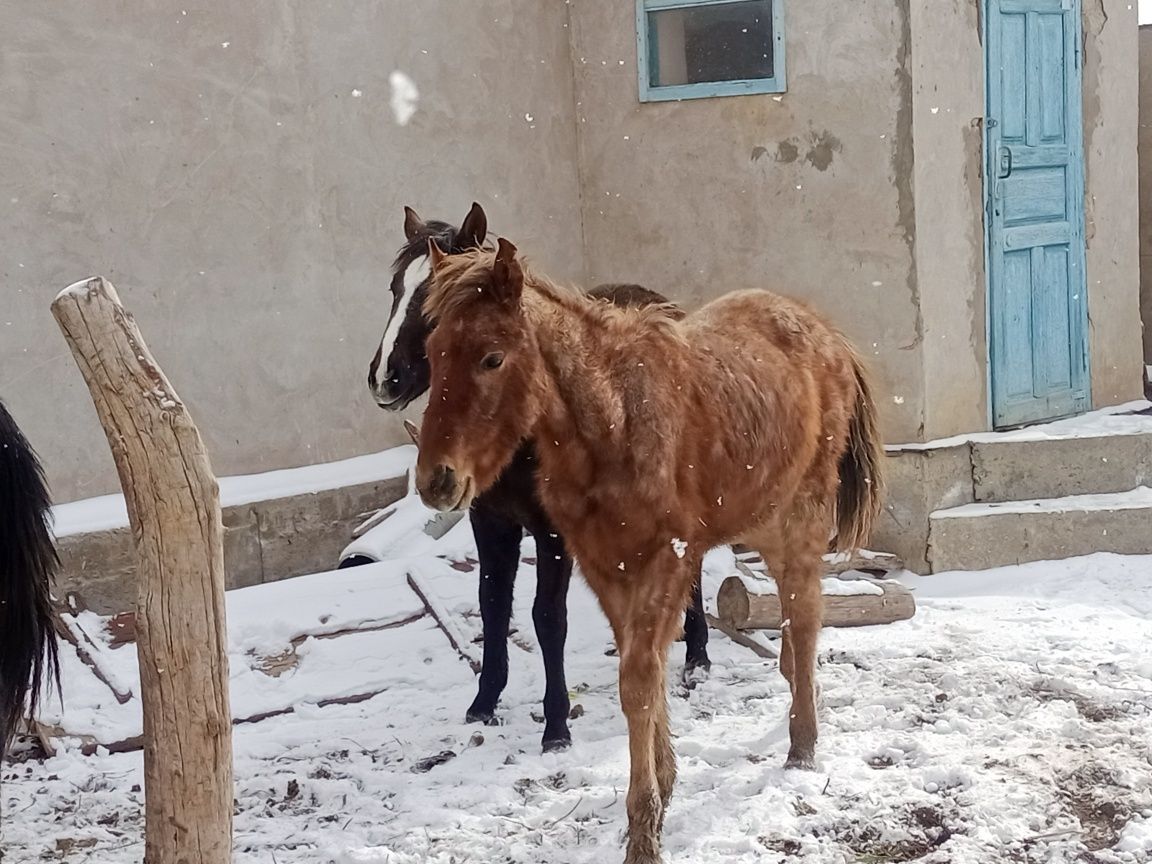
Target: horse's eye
[493, 360]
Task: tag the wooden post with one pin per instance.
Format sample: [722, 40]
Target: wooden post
[174, 508]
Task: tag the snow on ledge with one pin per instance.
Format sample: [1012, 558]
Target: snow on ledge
[830, 586]
[1135, 499]
[1115, 420]
[108, 512]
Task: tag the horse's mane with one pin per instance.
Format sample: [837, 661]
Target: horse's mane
[445, 235]
[465, 279]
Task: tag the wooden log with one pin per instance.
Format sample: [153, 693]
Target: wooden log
[174, 510]
[742, 609]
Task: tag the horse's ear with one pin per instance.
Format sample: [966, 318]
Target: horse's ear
[413, 224]
[435, 254]
[507, 274]
[474, 228]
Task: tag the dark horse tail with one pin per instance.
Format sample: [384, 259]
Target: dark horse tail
[27, 563]
[861, 468]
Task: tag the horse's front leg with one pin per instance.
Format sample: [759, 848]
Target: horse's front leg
[498, 547]
[652, 618]
[550, 615]
[641, 691]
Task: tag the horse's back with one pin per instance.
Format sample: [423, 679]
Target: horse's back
[762, 320]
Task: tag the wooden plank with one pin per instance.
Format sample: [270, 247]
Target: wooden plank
[69, 629]
[444, 621]
[740, 639]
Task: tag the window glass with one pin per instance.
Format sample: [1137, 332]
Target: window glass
[720, 42]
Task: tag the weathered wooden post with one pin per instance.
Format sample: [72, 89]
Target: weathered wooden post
[174, 508]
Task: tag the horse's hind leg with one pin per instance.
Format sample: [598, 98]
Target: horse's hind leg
[498, 547]
[696, 661]
[796, 562]
[802, 611]
[550, 615]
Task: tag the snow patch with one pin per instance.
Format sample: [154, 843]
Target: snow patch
[1117, 420]
[108, 512]
[1135, 499]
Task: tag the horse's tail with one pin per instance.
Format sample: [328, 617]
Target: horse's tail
[27, 564]
[861, 467]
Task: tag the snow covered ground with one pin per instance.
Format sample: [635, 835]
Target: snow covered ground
[1009, 721]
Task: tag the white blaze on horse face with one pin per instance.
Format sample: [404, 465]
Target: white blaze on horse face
[416, 273]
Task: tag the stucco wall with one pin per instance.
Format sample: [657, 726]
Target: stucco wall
[219, 167]
[809, 193]
[1111, 109]
[1145, 144]
[947, 110]
[216, 163]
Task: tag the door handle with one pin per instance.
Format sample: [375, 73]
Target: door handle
[1005, 163]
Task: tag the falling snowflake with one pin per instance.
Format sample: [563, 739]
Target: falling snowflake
[405, 97]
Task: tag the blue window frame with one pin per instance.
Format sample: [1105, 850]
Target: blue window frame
[695, 49]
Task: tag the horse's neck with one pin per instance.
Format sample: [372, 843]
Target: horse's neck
[580, 402]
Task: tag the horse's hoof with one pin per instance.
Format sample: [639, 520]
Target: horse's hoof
[557, 745]
[696, 673]
[803, 760]
[637, 856]
[488, 718]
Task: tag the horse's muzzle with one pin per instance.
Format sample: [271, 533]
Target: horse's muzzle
[443, 489]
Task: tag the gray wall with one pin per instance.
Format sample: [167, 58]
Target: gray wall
[1111, 112]
[887, 237]
[1146, 187]
[947, 69]
[809, 194]
[247, 206]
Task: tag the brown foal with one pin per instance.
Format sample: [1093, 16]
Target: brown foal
[749, 421]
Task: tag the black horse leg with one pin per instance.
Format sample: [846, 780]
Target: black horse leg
[696, 636]
[550, 615]
[498, 545]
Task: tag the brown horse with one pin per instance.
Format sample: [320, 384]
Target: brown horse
[750, 421]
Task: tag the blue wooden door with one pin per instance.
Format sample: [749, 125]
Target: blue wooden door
[1035, 207]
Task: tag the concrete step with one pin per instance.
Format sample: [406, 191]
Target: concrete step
[1030, 468]
[985, 535]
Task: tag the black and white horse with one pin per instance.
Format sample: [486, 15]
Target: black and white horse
[27, 564]
[398, 375]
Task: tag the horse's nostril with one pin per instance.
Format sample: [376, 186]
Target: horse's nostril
[443, 480]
